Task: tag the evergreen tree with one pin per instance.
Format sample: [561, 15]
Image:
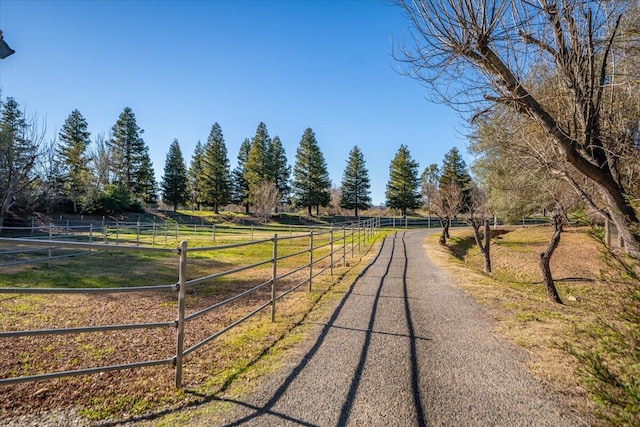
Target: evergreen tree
[216, 175]
[146, 187]
[71, 157]
[402, 189]
[454, 171]
[256, 168]
[240, 186]
[196, 186]
[355, 183]
[128, 151]
[278, 169]
[18, 153]
[311, 183]
[174, 181]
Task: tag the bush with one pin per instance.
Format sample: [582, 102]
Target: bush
[611, 369]
[114, 199]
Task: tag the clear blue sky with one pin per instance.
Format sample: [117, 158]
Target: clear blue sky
[183, 65]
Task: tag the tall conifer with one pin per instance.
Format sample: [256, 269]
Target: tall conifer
[71, 157]
[355, 183]
[174, 181]
[402, 189]
[216, 174]
[311, 183]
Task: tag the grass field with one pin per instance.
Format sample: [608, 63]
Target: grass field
[133, 392]
[515, 298]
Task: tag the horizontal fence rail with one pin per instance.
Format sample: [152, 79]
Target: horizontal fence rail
[327, 247]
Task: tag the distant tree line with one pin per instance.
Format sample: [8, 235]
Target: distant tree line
[113, 173]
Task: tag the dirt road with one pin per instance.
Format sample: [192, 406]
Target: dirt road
[404, 347]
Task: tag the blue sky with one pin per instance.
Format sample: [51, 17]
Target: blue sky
[183, 65]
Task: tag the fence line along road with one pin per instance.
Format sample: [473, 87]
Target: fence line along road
[329, 245]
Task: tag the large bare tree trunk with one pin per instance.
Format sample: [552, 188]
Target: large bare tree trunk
[545, 259]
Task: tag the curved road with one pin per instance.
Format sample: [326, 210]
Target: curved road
[404, 347]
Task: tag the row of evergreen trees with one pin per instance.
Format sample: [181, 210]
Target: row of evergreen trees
[115, 174]
[262, 168]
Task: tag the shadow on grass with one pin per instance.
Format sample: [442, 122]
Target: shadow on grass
[460, 246]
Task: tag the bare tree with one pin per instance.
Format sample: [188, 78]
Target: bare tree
[489, 48]
[445, 202]
[265, 199]
[545, 258]
[480, 216]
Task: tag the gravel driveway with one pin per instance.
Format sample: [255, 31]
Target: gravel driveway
[404, 347]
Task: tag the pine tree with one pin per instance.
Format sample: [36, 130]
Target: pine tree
[240, 186]
[402, 189]
[18, 153]
[355, 183]
[311, 183]
[145, 185]
[454, 171]
[196, 186]
[71, 157]
[216, 175]
[174, 181]
[128, 151]
[255, 169]
[278, 169]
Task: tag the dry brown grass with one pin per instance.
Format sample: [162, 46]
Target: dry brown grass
[515, 298]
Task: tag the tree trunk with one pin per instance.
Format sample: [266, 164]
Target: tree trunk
[215, 209]
[487, 245]
[445, 230]
[246, 208]
[545, 259]
[484, 247]
[309, 210]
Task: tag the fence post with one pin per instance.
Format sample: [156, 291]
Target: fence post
[274, 276]
[331, 252]
[252, 232]
[182, 284]
[153, 238]
[352, 239]
[117, 233]
[214, 233]
[195, 231]
[358, 237]
[90, 236]
[344, 246]
[138, 233]
[50, 238]
[310, 258]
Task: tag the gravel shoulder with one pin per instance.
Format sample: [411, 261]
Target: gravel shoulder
[403, 347]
